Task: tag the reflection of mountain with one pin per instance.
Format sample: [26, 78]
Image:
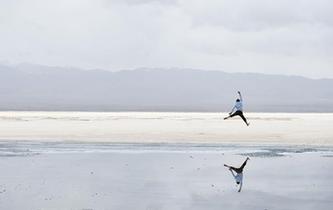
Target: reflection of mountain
[32, 87]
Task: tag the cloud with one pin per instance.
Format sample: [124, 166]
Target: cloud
[288, 37]
[260, 14]
[140, 2]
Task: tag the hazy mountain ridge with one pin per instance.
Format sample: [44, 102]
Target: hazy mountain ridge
[34, 87]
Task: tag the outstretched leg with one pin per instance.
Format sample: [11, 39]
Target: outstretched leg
[244, 119]
[243, 165]
[232, 115]
[237, 170]
[240, 169]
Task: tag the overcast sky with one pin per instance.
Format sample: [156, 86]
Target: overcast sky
[266, 36]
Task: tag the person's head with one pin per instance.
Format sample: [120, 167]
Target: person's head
[237, 100]
[238, 182]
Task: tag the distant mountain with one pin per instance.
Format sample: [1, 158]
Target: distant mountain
[34, 87]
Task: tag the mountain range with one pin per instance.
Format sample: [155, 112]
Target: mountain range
[44, 88]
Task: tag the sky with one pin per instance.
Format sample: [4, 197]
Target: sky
[292, 37]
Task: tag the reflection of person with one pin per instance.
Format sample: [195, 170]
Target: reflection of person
[239, 109]
[239, 173]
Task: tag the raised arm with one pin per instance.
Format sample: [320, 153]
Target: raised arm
[240, 186]
[232, 110]
[240, 96]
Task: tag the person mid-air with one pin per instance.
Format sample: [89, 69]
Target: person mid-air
[239, 173]
[239, 109]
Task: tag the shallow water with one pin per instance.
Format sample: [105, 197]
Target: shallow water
[180, 177]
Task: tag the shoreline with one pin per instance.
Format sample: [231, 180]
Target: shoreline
[17, 148]
[245, 144]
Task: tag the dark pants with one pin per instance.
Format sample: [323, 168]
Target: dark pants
[239, 113]
[240, 169]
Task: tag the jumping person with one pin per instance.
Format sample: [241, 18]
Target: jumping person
[239, 109]
[239, 173]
